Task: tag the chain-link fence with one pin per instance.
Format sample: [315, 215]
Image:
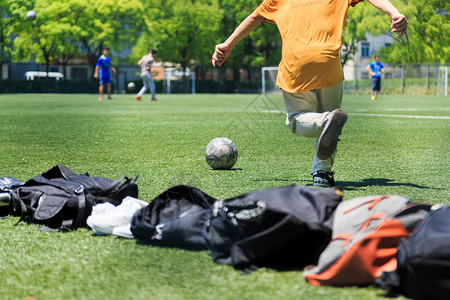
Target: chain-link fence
[403, 79]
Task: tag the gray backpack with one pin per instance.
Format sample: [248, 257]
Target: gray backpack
[366, 233]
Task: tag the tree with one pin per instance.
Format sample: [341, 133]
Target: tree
[109, 23]
[183, 31]
[64, 29]
[260, 48]
[5, 41]
[427, 40]
[35, 39]
[360, 19]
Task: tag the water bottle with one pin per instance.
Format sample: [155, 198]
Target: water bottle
[5, 199]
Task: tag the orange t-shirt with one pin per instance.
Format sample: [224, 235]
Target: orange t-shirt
[311, 31]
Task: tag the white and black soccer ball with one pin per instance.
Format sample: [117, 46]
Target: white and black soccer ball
[221, 154]
[131, 86]
[31, 15]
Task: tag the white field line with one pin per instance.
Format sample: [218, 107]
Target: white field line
[274, 111]
[398, 109]
[400, 116]
[377, 115]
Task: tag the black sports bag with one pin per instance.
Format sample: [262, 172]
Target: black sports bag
[175, 218]
[63, 199]
[286, 227]
[423, 270]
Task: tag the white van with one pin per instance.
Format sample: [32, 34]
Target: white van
[31, 75]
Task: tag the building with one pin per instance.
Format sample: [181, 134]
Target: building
[355, 68]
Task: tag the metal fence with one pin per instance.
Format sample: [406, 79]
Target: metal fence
[403, 79]
[417, 79]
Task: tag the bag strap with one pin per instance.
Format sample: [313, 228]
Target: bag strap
[24, 212]
[68, 186]
[76, 222]
[372, 202]
[377, 216]
[114, 185]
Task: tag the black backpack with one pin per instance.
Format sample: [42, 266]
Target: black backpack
[63, 199]
[286, 227]
[175, 218]
[423, 270]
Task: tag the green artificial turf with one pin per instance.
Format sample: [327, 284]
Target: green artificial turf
[381, 152]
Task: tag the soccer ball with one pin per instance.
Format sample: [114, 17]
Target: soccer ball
[131, 86]
[221, 154]
[31, 15]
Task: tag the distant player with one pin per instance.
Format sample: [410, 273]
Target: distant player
[310, 72]
[375, 68]
[102, 72]
[145, 64]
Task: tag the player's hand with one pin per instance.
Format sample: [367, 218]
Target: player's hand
[399, 24]
[95, 75]
[221, 53]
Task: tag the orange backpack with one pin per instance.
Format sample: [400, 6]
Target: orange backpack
[366, 234]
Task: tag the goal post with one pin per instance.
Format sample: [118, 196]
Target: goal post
[171, 75]
[442, 81]
[439, 78]
[269, 80]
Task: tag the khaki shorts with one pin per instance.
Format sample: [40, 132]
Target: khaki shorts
[320, 100]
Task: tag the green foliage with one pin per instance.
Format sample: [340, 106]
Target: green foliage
[427, 40]
[5, 40]
[186, 32]
[109, 23]
[183, 31]
[360, 19]
[261, 48]
[65, 29]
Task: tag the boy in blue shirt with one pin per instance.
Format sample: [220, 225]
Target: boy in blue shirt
[375, 68]
[102, 72]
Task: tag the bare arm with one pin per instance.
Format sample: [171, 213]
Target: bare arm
[223, 50]
[399, 23]
[113, 69]
[96, 72]
[369, 69]
[140, 63]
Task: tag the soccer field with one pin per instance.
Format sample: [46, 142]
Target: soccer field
[395, 145]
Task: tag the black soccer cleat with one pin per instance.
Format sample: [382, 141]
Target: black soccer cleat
[324, 179]
[327, 142]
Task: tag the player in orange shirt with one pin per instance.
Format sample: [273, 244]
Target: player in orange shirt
[310, 73]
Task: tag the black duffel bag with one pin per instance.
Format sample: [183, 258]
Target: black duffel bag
[63, 199]
[286, 227]
[175, 218]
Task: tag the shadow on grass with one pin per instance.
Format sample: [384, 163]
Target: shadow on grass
[354, 185]
[232, 169]
[274, 179]
[148, 243]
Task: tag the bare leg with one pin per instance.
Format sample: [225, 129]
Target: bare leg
[100, 91]
[109, 91]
